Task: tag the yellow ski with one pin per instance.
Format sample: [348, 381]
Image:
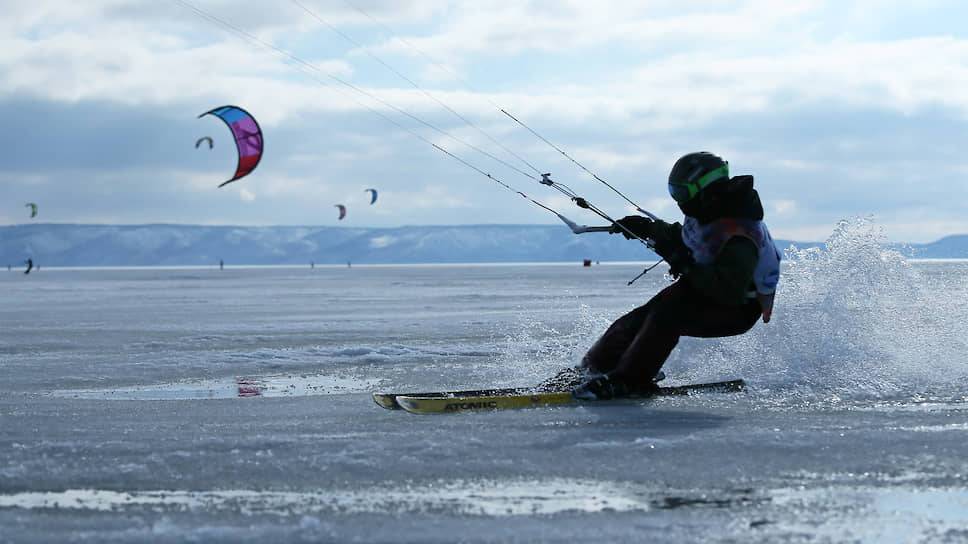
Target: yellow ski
[389, 400]
[475, 401]
[442, 405]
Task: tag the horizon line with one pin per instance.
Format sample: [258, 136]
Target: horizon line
[349, 227]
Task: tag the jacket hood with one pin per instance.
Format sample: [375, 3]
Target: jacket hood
[734, 199]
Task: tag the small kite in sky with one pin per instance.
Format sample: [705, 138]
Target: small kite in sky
[372, 195]
[248, 138]
[33, 209]
[208, 139]
[342, 211]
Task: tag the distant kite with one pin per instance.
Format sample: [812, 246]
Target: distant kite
[372, 195]
[342, 211]
[248, 138]
[208, 139]
[33, 209]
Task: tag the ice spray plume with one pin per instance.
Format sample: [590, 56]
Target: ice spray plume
[855, 321]
[536, 348]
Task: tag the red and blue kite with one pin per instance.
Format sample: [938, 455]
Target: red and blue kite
[248, 138]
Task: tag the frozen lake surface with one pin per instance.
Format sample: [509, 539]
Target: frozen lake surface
[207, 405]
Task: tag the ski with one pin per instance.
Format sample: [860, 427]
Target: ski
[389, 400]
[515, 398]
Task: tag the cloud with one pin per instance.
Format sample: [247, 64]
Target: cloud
[150, 63]
[428, 197]
[246, 195]
[782, 207]
[838, 108]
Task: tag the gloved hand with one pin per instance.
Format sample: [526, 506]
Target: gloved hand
[636, 224]
[668, 244]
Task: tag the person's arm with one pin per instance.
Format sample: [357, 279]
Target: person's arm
[667, 243]
[668, 234]
[729, 277]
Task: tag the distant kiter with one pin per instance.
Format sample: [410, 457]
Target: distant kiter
[30, 265]
[221, 264]
[312, 264]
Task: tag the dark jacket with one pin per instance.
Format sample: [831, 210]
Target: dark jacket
[730, 277]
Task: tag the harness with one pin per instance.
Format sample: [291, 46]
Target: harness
[707, 241]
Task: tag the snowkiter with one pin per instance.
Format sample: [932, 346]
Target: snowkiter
[726, 268]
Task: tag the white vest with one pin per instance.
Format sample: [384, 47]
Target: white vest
[706, 241]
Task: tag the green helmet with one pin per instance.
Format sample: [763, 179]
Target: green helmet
[694, 172]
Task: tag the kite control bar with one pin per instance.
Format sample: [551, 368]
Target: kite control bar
[582, 229]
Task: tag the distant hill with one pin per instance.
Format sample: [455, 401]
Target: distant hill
[160, 245]
[949, 247]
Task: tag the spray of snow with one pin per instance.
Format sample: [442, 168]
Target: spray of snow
[854, 320]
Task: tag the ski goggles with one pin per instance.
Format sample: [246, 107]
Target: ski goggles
[687, 191]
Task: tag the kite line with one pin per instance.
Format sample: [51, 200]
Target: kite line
[312, 70]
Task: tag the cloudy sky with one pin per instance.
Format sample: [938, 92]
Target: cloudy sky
[839, 108]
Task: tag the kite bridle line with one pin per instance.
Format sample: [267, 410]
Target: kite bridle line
[311, 70]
